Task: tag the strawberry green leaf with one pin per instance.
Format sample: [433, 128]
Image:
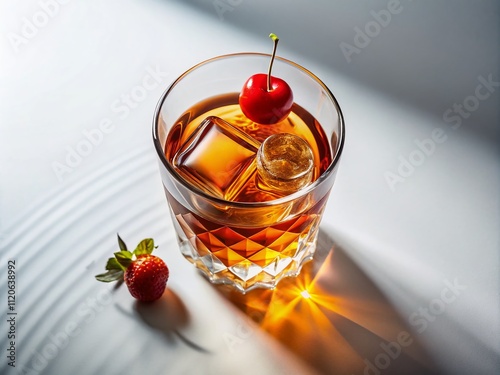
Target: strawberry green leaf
[124, 254]
[124, 258]
[112, 275]
[146, 246]
[113, 264]
[121, 243]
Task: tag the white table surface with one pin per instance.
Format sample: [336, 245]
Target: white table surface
[417, 262]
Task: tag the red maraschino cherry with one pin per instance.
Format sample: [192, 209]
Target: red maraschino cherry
[265, 99]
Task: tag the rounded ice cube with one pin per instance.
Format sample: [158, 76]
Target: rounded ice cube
[285, 162]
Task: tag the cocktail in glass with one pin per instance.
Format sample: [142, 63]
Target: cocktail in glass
[232, 222]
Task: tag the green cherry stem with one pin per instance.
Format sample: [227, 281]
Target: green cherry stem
[275, 39]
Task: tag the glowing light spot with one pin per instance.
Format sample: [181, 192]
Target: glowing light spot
[305, 294]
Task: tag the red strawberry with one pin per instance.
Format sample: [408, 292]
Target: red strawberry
[144, 274]
[146, 277]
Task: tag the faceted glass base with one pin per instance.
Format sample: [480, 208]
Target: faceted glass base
[264, 269]
[247, 278]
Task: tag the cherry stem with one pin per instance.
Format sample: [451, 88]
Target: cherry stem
[275, 39]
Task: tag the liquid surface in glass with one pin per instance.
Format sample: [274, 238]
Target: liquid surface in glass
[211, 148]
[253, 253]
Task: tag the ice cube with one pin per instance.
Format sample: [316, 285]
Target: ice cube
[285, 162]
[217, 158]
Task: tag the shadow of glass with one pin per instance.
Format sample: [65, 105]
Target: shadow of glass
[335, 318]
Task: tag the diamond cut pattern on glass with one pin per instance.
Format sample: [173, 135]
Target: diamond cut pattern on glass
[247, 253]
[248, 256]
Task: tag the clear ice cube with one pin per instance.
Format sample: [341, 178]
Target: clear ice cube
[285, 162]
[227, 163]
[218, 158]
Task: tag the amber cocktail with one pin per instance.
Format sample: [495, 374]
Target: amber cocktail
[235, 223]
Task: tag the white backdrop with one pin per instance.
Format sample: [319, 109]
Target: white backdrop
[414, 213]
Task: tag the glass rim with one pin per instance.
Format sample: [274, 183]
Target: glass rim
[278, 201]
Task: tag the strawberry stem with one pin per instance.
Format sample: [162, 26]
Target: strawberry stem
[275, 39]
